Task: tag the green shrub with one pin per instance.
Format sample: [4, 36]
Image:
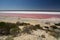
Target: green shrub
[2, 23]
[53, 26]
[58, 24]
[6, 27]
[26, 30]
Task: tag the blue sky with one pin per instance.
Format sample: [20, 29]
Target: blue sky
[29, 4]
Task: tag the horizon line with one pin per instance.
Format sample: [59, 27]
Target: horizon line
[29, 12]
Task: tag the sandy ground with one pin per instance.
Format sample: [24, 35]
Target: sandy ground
[35, 34]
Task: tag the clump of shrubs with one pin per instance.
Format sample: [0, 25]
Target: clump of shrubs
[9, 28]
[28, 29]
[53, 26]
[37, 26]
[22, 24]
[58, 24]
